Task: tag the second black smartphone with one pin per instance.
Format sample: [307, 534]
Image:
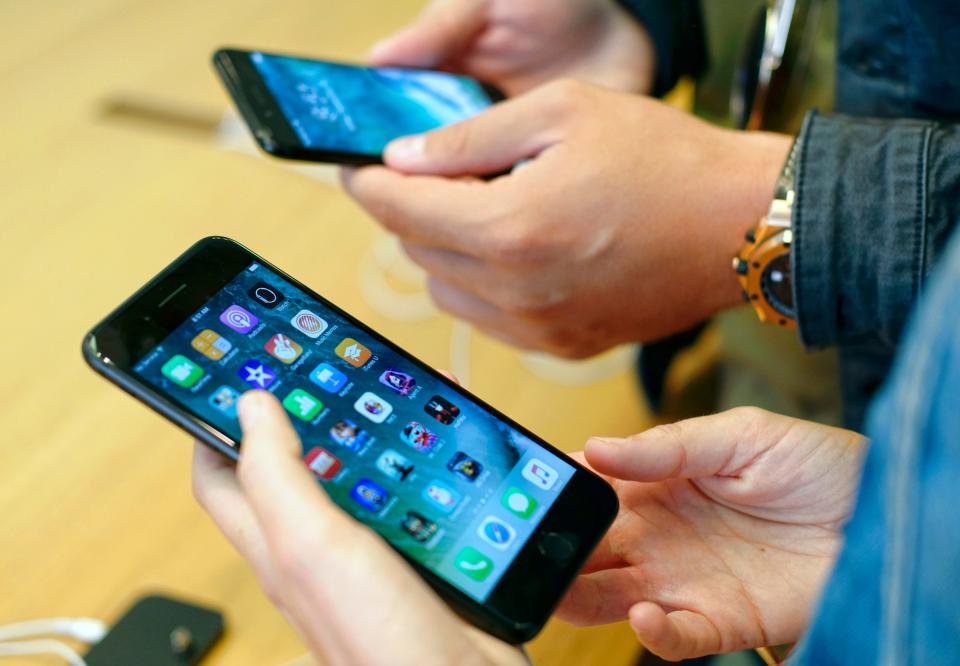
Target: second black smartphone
[323, 111]
[497, 520]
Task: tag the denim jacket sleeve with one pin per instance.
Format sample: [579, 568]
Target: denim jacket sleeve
[876, 202]
[676, 30]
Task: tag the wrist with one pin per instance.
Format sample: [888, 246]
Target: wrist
[748, 174]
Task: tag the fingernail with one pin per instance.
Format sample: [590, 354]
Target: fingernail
[249, 409]
[406, 148]
[613, 441]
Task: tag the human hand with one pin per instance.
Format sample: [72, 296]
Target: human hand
[519, 44]
[729, 525]
[352, 599]
[618, 227]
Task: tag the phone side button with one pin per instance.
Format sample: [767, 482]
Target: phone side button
[558, 547]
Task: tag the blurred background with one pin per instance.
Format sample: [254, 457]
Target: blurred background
[118, 153]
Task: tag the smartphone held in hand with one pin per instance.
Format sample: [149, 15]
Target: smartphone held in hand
[495, 519]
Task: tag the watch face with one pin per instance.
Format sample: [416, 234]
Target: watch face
[777, 285]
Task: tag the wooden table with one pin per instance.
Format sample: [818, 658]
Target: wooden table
[111, 166]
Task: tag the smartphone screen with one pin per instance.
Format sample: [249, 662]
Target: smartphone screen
[441, 478]
[353, 109]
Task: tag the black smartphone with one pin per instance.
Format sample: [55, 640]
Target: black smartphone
[496, 519]
[324, 111]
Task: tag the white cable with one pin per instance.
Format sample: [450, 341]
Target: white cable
[86, 629]
[42, 646]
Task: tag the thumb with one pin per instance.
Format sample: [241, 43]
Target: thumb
[490, 142]
[442, 31]
[718, 445]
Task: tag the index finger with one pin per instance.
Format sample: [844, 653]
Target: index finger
[455, 214]
[281, 490]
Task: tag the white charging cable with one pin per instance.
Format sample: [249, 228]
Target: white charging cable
[42, 646]
[85, 629]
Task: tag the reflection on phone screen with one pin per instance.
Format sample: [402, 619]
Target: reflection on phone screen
[361, 109]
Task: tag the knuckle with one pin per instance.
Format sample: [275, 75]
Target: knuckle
[565, 95]
[669, 431]
[516, 243]
[387, 211]
[531, 305]
[748, 414]
[453, 141]
[246, 472]
[567, 343]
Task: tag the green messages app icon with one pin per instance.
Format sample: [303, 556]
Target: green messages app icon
[302, 405]
[518, 502]
[473, 563]
[182, 371]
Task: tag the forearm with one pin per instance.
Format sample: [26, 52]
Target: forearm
[876, 202]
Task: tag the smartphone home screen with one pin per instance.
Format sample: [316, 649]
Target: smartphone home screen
[441, 478]
[361, 109]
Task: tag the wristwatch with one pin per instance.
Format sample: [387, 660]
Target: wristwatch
[763, 264]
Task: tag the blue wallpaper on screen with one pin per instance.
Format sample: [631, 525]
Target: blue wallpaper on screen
[452, 481]
[361, 109]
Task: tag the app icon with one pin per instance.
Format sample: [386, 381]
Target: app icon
[518, 502]
[417, 436]
[373, 407]
[224, 399]
[182, 371]
[348, 434]
[211, 344]
[539, 474]
[398, 381]
[369, 495]
[322, 463]
[442, 495]
[267, 296]
[473, 563]
[419, 527]
[464, 466]
[496, 532]
[328, 378]
[394, 465]
[353, 352]
[283, 349]
[257, 374]
[442, 410]
[309, 324]
[302, 405]
[239, 319]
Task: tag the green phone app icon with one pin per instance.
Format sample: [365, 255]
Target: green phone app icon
[182, 371]
[302, 405]
[473, 563]
[518, 502]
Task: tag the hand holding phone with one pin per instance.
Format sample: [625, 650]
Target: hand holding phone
[496, 520]
[325, 569]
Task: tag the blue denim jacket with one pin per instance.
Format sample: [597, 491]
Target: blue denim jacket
[878, 182]
[894, 598]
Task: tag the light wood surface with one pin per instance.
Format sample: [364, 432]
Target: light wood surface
[95, 504]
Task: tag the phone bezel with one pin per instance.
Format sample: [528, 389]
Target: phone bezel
[533, 585]
[268, 123]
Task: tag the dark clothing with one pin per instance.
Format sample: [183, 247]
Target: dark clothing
[878, 182]
[676, 29]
